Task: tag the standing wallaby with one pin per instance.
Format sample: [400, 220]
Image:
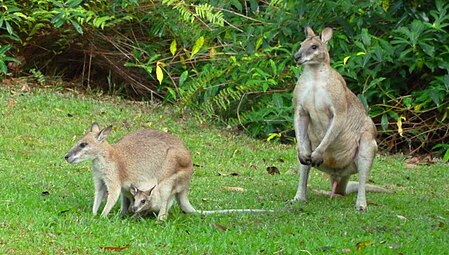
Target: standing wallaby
[141, 159]
[333, 131]
[146, 201]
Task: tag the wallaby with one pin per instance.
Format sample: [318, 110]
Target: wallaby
[147, 201]
[333, 131]
[142, 158]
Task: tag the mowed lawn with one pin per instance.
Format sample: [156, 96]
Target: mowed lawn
[45, 207]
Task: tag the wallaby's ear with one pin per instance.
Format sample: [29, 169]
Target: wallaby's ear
[95, 127]
[326, 35]
[148, 192]
[309, 32]
[104, 133]
[133, 190]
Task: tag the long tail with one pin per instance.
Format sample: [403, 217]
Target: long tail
[353, 187]
[251, 211]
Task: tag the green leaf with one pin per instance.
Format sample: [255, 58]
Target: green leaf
[5, 48]
[366, 37]
[362, 99]
[3, 68]
[278, 101]
[57, 4]
[446, 155]
[149, 69]
[259, 42]
[159, 73]
[183, 77]
[9, 28]
[273, 136]
[237, 5]
[74, 3]
[173, 47]
[58, 20]
[171, 92]
[384, 122]
[77, 26]
[198, 44]
[435, 97]
[265, 87]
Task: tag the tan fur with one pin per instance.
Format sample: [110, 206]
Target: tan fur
[142, 158]
[333, 130]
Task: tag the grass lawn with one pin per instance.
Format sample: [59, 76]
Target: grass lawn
[45, 207]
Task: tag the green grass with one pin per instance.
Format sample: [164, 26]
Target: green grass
[46, 202]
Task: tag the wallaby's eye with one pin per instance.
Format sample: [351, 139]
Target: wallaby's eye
[82, 145]
[314, 47]
[142, 201]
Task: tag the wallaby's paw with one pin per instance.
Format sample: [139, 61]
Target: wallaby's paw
[317, 159]
[304, 158]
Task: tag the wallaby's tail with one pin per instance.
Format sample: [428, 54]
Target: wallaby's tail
[251, 211]
[353, 187]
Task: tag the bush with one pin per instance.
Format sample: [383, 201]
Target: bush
[232, 61]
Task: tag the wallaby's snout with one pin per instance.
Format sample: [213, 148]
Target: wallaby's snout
[67, 157]
[298, 57]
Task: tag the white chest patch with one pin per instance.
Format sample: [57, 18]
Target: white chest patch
[314, 98]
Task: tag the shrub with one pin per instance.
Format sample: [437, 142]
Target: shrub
[232, 61]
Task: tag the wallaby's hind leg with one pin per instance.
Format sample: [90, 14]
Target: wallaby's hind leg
[166, 198]
[301, 193]
[183, 201]
[364, 160]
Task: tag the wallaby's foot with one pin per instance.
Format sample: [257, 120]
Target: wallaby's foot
[361, 206]
[162, 218]
[124, 213]
[297, 199]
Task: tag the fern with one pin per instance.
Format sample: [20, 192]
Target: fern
[197, 87]
[206, 11]
[201, 11]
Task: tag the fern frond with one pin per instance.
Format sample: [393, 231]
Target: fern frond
[202, 11]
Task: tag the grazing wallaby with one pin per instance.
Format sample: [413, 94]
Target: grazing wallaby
[141, 158]
[146, 201]
[333, 130]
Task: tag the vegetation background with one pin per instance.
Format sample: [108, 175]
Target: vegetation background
[231, 61]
